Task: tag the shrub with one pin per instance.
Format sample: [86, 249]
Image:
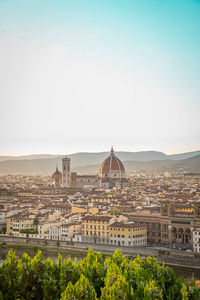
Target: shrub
[112, 278]
[29, 230]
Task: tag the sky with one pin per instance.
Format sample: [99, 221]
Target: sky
[84, 75]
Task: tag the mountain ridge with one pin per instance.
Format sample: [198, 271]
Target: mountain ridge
[123, 155]
[46, 166]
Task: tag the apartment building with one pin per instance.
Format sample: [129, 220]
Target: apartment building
[196, 240]
[95, 229]
[128, 234]
[64, 232]
[18, 222]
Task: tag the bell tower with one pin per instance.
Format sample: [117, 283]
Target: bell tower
[66, 172]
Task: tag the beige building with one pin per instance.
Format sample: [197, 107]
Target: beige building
[95, 229]
[174, 225]
[18, 222]
[128, 234]
[79, 181]
[64, 232]
[196, 240]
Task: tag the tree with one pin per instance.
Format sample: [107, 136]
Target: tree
[112, 278]
[80, 290]
[36, 222]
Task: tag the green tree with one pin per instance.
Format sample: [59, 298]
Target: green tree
[152, 291]
[117, 289]
[80, 290]
[36, 222]
[92, 267]
[116, 278]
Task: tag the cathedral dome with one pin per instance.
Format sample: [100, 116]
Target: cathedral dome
[57, 174]
[112, 164]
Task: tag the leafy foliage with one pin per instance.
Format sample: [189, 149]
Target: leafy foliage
[29, 230]
[116, 277]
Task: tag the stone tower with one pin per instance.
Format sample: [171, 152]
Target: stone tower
[66, 172]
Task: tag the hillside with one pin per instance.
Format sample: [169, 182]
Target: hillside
[47, 166]
[90, 163]
[184, 155]
[191, 164]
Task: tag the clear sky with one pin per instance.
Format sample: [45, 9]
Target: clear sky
[85, 75]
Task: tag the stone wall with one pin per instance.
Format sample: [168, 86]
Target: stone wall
[175, 257]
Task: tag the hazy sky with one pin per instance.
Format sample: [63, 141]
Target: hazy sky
[85, 75]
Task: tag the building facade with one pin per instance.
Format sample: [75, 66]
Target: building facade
[79, 181]
[196, 240]
[95, 229]
[128, 234]
[173, 226]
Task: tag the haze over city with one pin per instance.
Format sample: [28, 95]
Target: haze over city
[99, 149]
[83, 75]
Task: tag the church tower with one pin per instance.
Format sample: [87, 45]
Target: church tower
[66, 172]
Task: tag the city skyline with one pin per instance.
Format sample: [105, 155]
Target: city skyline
[82, 76]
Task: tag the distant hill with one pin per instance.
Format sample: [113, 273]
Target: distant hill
[191, 164]
[83, 158]
[27, 157]
[45, 164]
[184, 155]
